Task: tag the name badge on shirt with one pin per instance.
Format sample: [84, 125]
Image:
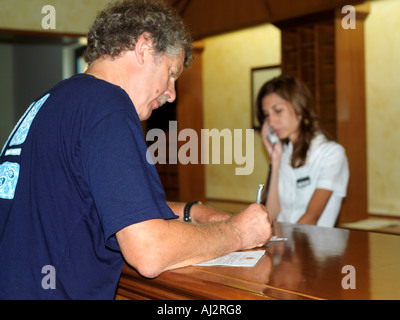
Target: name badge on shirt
[304, 182]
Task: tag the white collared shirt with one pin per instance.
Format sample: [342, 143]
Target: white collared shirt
[326, 168]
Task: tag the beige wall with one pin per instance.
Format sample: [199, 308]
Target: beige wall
[383, 106]
[72, 16]
[227, 61]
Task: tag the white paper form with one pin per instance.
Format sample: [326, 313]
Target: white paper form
[236, 259]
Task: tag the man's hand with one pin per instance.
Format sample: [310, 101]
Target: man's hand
[253, 225]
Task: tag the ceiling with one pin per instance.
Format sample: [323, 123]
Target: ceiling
[210, 17]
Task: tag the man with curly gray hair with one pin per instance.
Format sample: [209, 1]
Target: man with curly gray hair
[77, 195]
[125, 28]
[117, 29]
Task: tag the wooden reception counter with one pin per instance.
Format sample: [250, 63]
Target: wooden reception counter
[314, 263]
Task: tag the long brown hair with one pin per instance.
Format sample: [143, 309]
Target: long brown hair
[296, 92]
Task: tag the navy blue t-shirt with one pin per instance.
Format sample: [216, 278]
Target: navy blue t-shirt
[72, 174]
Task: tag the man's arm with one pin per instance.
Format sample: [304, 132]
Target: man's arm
[154, 246]
[199, 213]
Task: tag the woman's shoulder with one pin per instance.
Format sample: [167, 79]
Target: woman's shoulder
[322, 145]
[322, 139]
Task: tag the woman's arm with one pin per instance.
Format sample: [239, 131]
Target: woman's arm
[272, 204]
[275, 153]
[315, 207]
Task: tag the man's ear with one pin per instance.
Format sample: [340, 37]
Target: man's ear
[143, 47]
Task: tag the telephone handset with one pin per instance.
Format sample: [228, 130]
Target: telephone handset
[272, 137]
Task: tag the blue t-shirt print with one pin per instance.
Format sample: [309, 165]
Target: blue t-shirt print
[9, 174]
[9, 171]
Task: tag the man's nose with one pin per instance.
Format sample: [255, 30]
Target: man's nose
[171, 93]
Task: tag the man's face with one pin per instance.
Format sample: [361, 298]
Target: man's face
[158, 85]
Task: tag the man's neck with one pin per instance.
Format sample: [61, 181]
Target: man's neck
[108, 70]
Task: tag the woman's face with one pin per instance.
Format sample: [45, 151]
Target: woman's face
[281, 116]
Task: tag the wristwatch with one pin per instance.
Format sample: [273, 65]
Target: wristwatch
[186, 210]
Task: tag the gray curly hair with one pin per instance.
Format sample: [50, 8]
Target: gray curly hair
[117, 28]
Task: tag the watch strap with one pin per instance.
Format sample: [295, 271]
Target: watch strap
[186, 210]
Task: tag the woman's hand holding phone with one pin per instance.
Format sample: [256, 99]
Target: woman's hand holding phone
[272, 143]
